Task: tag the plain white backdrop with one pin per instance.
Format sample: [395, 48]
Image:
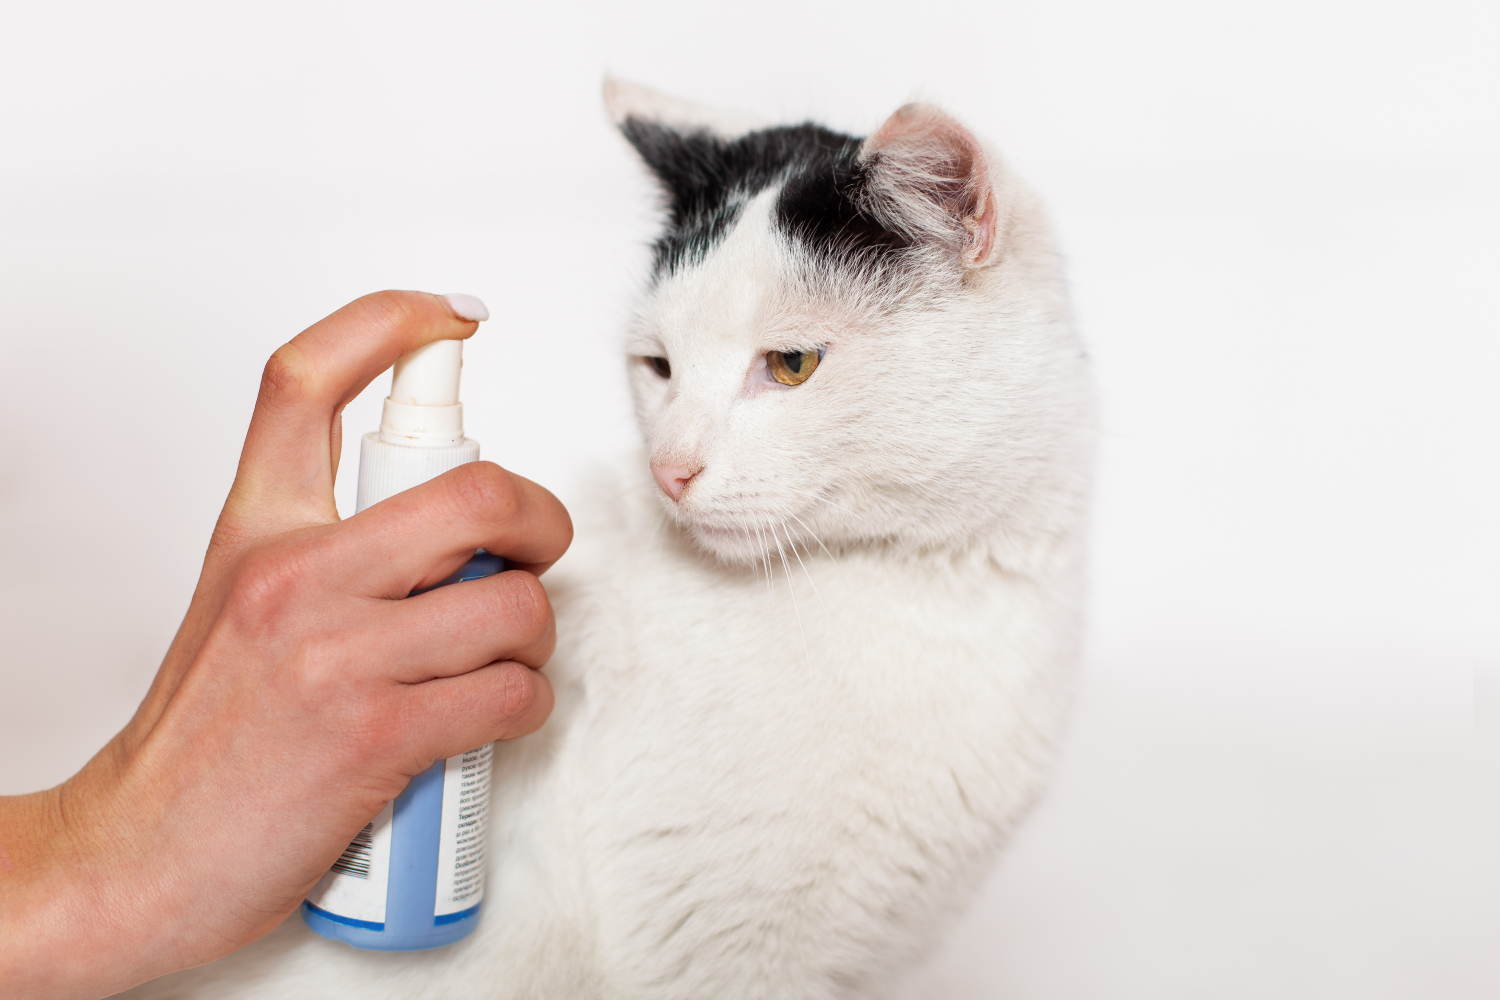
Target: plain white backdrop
[1281, 221]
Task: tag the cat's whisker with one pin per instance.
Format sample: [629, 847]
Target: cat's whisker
[765, 556]
[811, 582]
[792, 589]
[770, 570]
[814, 535]
[763, 560]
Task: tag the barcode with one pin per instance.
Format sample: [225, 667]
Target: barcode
[356, 857]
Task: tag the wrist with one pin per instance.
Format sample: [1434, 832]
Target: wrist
[71, 912]
[40, 940]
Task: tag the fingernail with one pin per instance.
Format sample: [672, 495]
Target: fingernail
[467, 307]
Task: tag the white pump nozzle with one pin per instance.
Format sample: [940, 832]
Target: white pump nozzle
[422, 427]
[428, 376]
[423, 410]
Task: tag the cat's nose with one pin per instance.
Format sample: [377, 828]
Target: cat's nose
[673, 479]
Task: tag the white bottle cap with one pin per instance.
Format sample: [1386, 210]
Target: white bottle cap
[422, 427]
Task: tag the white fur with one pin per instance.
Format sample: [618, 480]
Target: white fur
[798, 712]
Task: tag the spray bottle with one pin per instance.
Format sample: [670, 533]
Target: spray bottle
[414, 876]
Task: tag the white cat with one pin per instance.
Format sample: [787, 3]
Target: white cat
[810, 679]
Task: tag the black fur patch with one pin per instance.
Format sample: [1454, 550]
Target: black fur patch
[708, 180]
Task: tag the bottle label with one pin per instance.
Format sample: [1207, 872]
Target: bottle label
[355, 887]
[466, 811]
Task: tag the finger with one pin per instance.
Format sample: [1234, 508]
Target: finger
[457, 629]
[453, 715]
[286, 469]
[422, 535]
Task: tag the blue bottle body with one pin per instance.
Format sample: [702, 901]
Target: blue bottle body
[405, 882]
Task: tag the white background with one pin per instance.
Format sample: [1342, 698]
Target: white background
[1281, 223]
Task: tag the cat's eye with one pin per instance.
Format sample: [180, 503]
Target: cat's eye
[661, 366]
[792, 367]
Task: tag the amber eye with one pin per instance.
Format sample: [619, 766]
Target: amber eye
[792, 367]
[661, 366]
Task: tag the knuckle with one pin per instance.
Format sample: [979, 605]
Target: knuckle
[287, 377]
[394, 309]
[367, 719]
[272, 579]
[482, 490]
[517, 692]
[321, 677]
[523, 603]
[266, 583]
[329, 683]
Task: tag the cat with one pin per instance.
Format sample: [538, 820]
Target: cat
[815, 647]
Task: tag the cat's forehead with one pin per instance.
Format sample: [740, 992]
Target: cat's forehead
[755, 290]
[734, 289]
[817, 175]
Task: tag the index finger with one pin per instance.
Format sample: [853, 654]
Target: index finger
[286, 470]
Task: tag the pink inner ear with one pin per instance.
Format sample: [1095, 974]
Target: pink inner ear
[944, 161]
[981, 229]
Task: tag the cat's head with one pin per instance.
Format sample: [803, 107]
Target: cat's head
[847, 341]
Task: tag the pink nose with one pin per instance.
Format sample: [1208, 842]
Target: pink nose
[673, 479]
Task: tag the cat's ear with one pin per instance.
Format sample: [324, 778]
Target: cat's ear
[625, 101]
[928, 179]
[681, 142]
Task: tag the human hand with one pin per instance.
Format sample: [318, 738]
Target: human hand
[300, 694]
